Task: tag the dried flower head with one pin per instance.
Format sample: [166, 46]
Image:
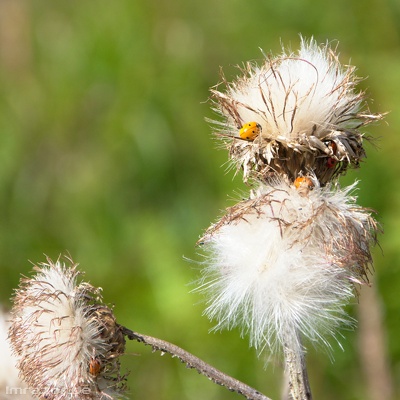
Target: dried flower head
[294, 114]
[286, 261]
[66, 341]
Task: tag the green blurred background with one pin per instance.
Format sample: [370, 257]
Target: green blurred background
[105, 155]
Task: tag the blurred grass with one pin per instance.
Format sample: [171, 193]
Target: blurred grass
[106, 155]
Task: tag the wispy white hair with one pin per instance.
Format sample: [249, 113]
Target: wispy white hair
[283, 262]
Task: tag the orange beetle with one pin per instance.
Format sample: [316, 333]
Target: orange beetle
[250, 131]
[94, 366]
[303, 182]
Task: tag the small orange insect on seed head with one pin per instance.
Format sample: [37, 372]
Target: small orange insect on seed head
[303, 182]
[250, 131]
[94, 366]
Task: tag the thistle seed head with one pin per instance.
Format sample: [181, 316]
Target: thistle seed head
[66, 341]
[294, 114]
[286, 258]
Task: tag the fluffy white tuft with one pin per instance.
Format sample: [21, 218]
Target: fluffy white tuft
[283, 262]
[308, 93]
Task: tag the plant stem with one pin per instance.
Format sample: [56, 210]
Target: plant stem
[296, 370]
[192, 361]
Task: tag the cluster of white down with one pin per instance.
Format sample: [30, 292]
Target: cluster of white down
[274, 271]
[308, 93]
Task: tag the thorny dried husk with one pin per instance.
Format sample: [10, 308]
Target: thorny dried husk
[106, 361]
[265, 158]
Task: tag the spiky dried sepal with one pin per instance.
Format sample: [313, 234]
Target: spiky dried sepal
[308, 110]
